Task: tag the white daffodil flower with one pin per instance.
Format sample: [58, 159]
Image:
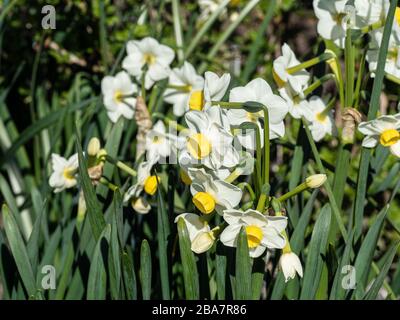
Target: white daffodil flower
[210, 194]
[159, 143]
[297, 104]
[383, 130]
[262, 231]
[199, 98]
[333, 16]
[290, 265]
[149, 56]
[187, 77]
[392, 65]
[370, 11]
[145, 181]
[215, 87]
[207, 141]
[64, 172]
[117, 96]
[200, 235]
[282, 77]
[257, 90]
[321, 124]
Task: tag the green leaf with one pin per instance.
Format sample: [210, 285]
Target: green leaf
[162, 237]
[97, 282]
[221, 271]
[114, 256]
[376, 286]
[338, 292]
[243, 269]
[18, 251]
[316, 252]
[190, 274]
[94, 210]
[129, 274]
[366, 253]
[145, 269]
[33, 242]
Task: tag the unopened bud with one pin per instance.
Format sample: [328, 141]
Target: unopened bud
[93, 147]
[202, 242]
[315, 181]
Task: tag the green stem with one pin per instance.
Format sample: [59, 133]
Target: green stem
[312, 62]
[300, 188]
[349, 54]
[315, 85]
[168, 121]
[246, 185]
[360, 77]
[121, 165]
[108, 184]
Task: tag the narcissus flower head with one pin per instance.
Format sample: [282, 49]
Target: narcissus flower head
[208, 142]
[258, 90]
[333, 18]
[383, 130]
[189, 89]
[290, 265]
[117, 96]
[145, 181]
[149, 56]
[200, 234]
[322, 122]
[210, 194]
[262, 231]
[295, 82]
[64, 172]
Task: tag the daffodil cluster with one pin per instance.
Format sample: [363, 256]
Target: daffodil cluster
[217, 134]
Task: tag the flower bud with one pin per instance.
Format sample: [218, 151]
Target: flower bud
[202, 242]
[140, 205]
[315, 181]
[93, 147]
[290, 264]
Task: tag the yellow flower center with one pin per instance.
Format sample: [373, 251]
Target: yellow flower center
[389, 137]
[321, 117]
[204, 202]
[118, 96]
[157, 139]
[254, 116]
[254, 236]
[150, 185]
[279, 82]
[234, 3]
[69, 173]
[339, 17]
[198, 146]
[185, 178]
[149, 58]
[196, 100]
[397, 15]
